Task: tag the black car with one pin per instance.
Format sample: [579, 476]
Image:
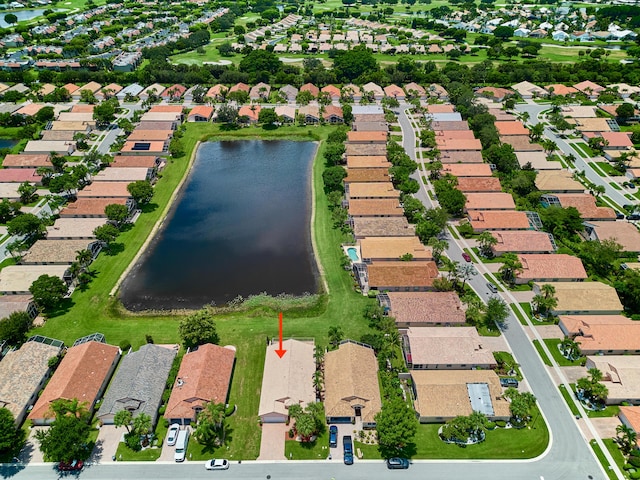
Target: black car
[509, 382]
[347, 444]
[333, 436]
[619, 216]
[633, 216]
[397, 463]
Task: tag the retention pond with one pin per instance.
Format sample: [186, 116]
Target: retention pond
[240, 226]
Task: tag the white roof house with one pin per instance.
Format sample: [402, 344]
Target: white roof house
[286, 381]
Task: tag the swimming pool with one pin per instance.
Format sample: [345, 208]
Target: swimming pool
[353, 254]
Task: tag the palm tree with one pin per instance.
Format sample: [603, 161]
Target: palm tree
[84, 257]
[486, 241]
[123, 419]
[510, 268]
[318, 382]
[74, 407]
[335, 335]
[536, 131]
[626, 438]
[437, 248]
[211, 426]
[548, 290]
[318, 354]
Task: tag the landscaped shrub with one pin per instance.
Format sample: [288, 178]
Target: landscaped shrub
[635, 461]
[133, 441]
[162, 409]
[628, 466]
[500, 423]
[230, 410]
[125, 345]
[634, 475]
[490, 425]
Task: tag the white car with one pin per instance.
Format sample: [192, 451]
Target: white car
[172, 436]
[217, 464]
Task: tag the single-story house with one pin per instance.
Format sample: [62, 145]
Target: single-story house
[105, 190]
[136, 161]
[311, 88]
[589, 88]
[204, 376]
[559, 89]
[396, 276]
[521, 143]
[602, 334]
[387, 207]
[22, 160]
[367, 137]
[217, 92]
[479, 185]
[311, 114]
[287, 113]
[17, 279]
[550, 267]
[420, 309]
[20, 175]
[200, 113]
[93, 207]
[74, 228]
[155, 89]
[523, 241]
[260, 91]
[129, 175]
[621, 376]
[250, 112]
[624, 233]
[392, 248]
[394, 91]
[365, 150]
[333, 114]
[371, 190]
[287, 380]
[558, 182]
[333, 91]
[367, 161]
[23, 373]
[489, 201]
[583, 202]
[482, 220]
[46, 147]
[508, 128]
[630, 416]
[443, 395]
[529, 90]
[366, 175]
[17, 303]
[381, 227]
[583, 298]
[139, 383]
[352, 392]
[83, 374]
[58, 252]
[467, 169]
[451, 348]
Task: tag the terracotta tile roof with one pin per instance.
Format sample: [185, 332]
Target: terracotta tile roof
[375, 208]
[204, 376]
[559, 89]
[216, 91]
[351, 379]
[542, 266]
[367, 161]
[166, 109]
[134, 161]
[70, 88]
[631, 417]
[440, 108]
[522, 241]
[240, 87]
[498, 220]
[589, 87]
[366, 175]
[22, 160]
[455, 134]
[467, 169]
[373, 190]
[572, 325]
[311, 88]
[426, 308]
[616, 337]
[490, 201]
[332, 111]
[90, 207]
[393, 91]
[19, 175]
[367, 137]
[382, 227]
[586, 205]
[30, 109]
[624, 233]
[511, 128]
[401, 274]
[174, 91]
[414, 87]
[150, 147]
[495, 92]
[444, 395]
[202, 111]
[332, 90]
[392, 248]
[105, 189]
[617, 139]
[591, 297]
[440, 346]
[479, 184]
[81, 374]
[150, 135]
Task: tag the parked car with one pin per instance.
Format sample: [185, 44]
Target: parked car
[633, 216]
[397, 463]
[466, 256]
[492, 287]
[509, 382]
[333, 436]
[217, 464]
[181, 446]
[172, 435]
[619, 216]
[347, 445]
[72, 466]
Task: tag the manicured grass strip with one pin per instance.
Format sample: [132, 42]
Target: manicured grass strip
[615, 452]
[125, 454]
[568, 395]
[615, 185]
[603, 460]
[541, 352]
[316, 450]
[552, 345]
[609, 411]
[607, 168]
[515, 310]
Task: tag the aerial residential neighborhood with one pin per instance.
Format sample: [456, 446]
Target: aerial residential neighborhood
[450, 191]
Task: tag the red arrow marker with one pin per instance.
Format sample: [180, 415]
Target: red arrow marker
[280, 351]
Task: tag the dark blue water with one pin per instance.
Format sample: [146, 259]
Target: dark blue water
[241, 226]
[5, 143]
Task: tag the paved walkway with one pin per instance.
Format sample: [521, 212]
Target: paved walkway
[272, 442]
[31, 451]
[107, 444]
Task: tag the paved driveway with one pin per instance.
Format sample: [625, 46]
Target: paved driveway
[606, 426]
[574, 373]
[272, 442]
[107, 444]
[31, 451]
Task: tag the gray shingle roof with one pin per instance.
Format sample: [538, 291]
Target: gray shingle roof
[139, 382]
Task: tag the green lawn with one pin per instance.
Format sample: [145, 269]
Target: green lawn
[508, 359]
[552, 345]
[521, 319]
[125, 454]
[316, 450]
[568, 395]
[607, 169]
[541, 352]
[615, 452]
[609, 411]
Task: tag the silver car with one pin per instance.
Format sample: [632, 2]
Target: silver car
[172, 436]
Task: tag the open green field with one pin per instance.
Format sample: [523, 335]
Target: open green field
[92, 310]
